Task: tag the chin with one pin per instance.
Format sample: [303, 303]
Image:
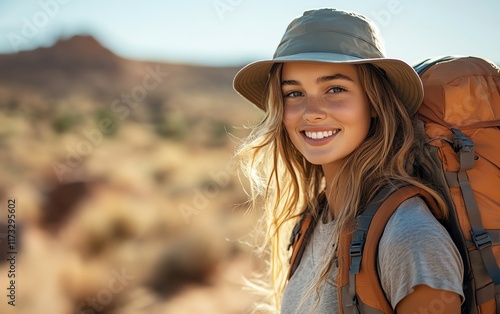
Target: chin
[319, 161]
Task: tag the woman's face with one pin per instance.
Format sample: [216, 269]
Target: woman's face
[326, 112]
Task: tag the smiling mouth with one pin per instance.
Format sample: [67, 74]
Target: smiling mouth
[320, 135]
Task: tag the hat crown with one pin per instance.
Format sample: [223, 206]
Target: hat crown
[331, 36]
[332, 31]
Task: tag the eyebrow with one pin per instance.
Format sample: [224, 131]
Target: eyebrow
[321, 79]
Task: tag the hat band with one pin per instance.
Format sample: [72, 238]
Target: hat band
[325, 41]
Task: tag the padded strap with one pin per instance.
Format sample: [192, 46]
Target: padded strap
[357, 244]
[363, 260]
[298, 239]
[362, 224]
[481, 238]
[301, 232]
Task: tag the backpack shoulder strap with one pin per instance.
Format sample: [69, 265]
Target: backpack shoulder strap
[300, 234]
[298, 241]
[358, 281]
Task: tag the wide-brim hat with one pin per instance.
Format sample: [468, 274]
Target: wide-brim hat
[332, 36]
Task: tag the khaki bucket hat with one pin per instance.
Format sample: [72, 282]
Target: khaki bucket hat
[333, 36]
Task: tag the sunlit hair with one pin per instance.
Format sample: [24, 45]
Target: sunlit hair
[286, 184]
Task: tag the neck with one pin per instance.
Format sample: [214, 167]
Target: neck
[331, 171]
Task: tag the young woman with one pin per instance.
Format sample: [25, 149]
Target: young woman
[338, 123]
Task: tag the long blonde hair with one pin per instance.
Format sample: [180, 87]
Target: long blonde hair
[286, 184]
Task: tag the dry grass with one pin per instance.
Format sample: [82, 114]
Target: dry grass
[111, 234]
[121, 209]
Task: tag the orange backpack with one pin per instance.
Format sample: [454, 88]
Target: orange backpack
[460, 116]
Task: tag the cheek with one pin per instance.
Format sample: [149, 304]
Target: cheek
[358, 122]
[366, 114]
[364, 124]
[290, 118]
[291, 121]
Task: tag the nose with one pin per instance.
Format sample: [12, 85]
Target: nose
[314, 110]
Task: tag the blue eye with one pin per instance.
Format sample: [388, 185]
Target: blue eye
[293, 94]
[336, 90]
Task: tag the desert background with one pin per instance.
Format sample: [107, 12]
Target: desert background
[118, 125]
[127, 199]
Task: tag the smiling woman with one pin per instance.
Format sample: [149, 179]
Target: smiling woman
[338, 129]
[326, 115]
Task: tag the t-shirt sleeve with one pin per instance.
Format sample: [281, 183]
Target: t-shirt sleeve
[415, 249]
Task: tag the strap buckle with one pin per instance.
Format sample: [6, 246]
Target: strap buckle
[357, 243]
[462, 142]
[481, 239]
[356, 248]
[465, 148]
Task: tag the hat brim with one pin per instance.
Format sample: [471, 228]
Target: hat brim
[251, 81]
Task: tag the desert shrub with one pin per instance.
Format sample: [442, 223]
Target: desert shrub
[172, 126]
[103, 114]
[64, 122]
[219, 132]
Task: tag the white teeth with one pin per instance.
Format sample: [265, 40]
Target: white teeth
[320, 135]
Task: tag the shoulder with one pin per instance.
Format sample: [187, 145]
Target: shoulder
[413, 217]
[413, 230]
[415, 249]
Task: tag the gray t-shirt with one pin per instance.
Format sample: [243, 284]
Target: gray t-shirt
[414, 250]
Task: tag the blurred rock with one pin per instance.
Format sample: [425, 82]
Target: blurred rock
[60, 204]
[191, 259]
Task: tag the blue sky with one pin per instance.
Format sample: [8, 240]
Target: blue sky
[232, 32]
